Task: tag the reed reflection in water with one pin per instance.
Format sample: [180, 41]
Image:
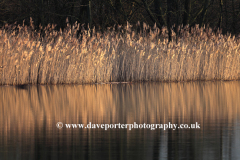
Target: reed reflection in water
[28, 120]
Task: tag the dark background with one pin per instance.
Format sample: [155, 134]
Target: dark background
[223, 14]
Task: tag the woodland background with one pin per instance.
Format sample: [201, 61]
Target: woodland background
[223, 14]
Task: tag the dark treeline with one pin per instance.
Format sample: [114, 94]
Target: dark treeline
[223, 14]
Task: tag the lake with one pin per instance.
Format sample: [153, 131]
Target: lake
[36, 121]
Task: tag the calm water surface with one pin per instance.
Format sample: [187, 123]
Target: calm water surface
[28, 120]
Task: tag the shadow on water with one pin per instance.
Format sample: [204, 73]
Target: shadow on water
[28, 118]
[24, 86]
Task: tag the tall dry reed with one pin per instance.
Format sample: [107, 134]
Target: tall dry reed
[120, 54]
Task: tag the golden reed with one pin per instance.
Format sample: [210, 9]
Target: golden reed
[117, 55]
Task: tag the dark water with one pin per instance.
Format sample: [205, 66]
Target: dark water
[28, 118]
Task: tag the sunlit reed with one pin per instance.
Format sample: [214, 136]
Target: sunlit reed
[78, 55]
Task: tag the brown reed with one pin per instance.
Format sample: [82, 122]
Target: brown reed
[117, 55]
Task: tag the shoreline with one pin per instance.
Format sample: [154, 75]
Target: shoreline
[25, 86]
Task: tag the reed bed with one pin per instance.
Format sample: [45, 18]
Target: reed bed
[120, 54]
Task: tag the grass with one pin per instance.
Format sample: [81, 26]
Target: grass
[117, 55]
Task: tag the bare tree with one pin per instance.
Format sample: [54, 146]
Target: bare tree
[169, 16]
[159, 12]
[204, 11]
[187, 12]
